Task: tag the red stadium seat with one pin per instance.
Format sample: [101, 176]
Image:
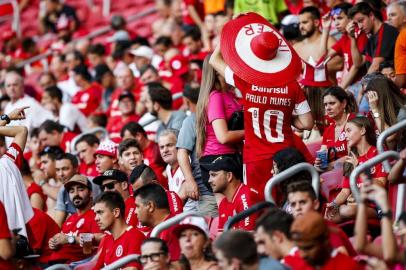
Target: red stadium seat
[331, 183]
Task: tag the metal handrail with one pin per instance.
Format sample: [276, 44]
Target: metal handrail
[246, 213]
[16, 15]
[93, 34]
[382, 137]
[400, 200]
[122, 262]
[364, 166]
[173, 221]
[106, 8]
[288, 173]
[59, 267]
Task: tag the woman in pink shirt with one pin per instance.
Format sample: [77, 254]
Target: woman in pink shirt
[215, 107]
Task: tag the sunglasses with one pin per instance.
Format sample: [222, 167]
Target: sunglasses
[109, 186]
[335, 11]
[153, 256]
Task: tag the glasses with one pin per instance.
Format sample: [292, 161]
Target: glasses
[335, 11]
[109, 186]
[153, 256]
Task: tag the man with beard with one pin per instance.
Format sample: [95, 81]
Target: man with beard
[310, 234]
[309, 49]
[123, 239]
[159, 103]
[66, 243]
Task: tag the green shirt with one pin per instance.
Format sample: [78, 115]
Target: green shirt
[269, 9]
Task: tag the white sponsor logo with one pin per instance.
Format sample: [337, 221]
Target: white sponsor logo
[119, 251]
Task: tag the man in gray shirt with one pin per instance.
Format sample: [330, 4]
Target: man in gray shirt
[158, 102]
[188, 161]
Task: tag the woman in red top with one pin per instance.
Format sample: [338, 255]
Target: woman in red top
[361, 139]
[339, 108]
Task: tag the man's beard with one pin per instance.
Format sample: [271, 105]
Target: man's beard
[308, 33]
[82, 204]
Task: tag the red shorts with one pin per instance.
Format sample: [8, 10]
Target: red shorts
[257, 174]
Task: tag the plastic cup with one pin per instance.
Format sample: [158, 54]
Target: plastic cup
[323, 156]
[87, 242]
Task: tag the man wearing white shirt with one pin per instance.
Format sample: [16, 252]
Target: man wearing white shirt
[67, 114]
[36, 114]
[176, 181]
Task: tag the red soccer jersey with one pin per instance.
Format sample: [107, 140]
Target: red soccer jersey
[243, 198]
[268, 116]
[338, 238]
[377, 171]
[116, 123]
[128, 243]
[88, 100]
[40, 229]
[198, 5]
[175, 202]
[4, 234]
[66, 142]
[336, 261]
[340, 145]
[113, 109]
[171, 240]
[76, 224]
[88, 170]
[131, 217]
[343, 48]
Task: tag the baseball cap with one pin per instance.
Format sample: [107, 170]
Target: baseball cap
[107, 148]
[223, 163]
[143, 51]
[179, 65]
[309, 227]
[8, 34]
[78, 179]
[136, 173]
[111, 174]
[196, 223]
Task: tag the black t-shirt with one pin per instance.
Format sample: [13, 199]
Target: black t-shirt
[51, 20]
[381, 44]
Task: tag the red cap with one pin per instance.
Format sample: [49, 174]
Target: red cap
[179, 65]
[107, 148]
[8, 34]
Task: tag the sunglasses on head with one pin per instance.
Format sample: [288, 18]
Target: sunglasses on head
[335, 11]
[109, 186]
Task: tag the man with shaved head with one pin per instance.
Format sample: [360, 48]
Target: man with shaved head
[36, 114]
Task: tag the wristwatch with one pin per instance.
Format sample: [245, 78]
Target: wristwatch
[376, 114]
[71, 239]
[5, 117]
[387, 214]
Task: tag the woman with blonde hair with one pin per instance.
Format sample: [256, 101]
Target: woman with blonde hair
[216, 106]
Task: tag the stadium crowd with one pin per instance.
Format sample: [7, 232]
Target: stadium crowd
[115, 137]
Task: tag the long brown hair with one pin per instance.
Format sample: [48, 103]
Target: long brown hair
[210, 81]
[390, 99]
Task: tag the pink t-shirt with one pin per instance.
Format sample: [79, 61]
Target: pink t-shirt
[221, 105]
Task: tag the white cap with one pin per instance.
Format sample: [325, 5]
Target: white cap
[143, 51]
[290, 19]
[198, 223]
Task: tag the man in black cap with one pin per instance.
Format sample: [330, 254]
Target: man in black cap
[126, 105]
[116, 180]
[225, 175]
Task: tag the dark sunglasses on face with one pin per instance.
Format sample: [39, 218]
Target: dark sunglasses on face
[109, 186]
[153, 256]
